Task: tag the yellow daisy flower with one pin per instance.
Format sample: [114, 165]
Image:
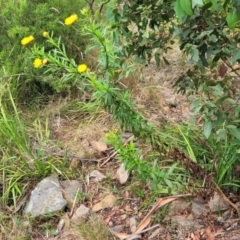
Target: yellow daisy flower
[70, 20]
[27, 40]
[37, 63]
[82, 68]
[45, 34]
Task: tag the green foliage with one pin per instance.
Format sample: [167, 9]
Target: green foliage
[25, 18]
[162, 176]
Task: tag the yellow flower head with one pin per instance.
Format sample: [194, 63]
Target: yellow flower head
[27, 40]
[37, 63]
[70, 20]
[107, 135]
[84, 11]
[45, 34]
[82, 68]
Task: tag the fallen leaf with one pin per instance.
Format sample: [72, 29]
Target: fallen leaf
[144, 223]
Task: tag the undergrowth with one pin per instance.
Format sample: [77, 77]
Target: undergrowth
[73, 55]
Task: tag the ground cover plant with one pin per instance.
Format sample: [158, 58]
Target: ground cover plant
[88, 57]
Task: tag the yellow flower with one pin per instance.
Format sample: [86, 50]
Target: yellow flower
[37, 63]
[45, 34]
[70, 20]
[27, 40]
[82, 68]
[107, 135]
[84, 11]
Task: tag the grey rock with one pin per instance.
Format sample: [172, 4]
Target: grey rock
[46, 197]
[186, 223]
[199, 209]
[70, 188]
[216, 203]
[117, 229]
[178, 206]
[80, 213]
[133, 223]
[95, 176]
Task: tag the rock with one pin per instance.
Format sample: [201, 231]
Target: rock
[80, 213]
[117, 229]
[199, 209]
[132, 222]
[95, 176]
[122, 174]
[46, 198]
[177, 206]
[70, 188]
[108, 202]
[99, 146]
[186, 224]
[216, 203]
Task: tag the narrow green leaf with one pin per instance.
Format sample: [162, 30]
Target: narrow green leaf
[178, 10]
[186, 6]
[235, 132]
[235, 57]
[232, 19]
[207, 129]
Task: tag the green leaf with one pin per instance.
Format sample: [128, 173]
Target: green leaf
[207, 129]
[221, 134]
[232, 19]
[186, 6]
[179, 11]
[195, 2]
[235, 132]
[194, 54]
[235, 57]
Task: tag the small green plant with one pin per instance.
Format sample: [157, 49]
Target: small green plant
[162, 176]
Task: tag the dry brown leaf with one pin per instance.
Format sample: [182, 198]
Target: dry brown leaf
[161, 202]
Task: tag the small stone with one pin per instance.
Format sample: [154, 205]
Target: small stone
[186, 224]
[216, 203]
[46, 197]
[178, 206]
[118, 228]
[99, 146]
[199, 209]
[122, 174]
[75, 163]
[70, 188]
[80, 213]
[95, 176]
[133, 223]
[108, 202]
